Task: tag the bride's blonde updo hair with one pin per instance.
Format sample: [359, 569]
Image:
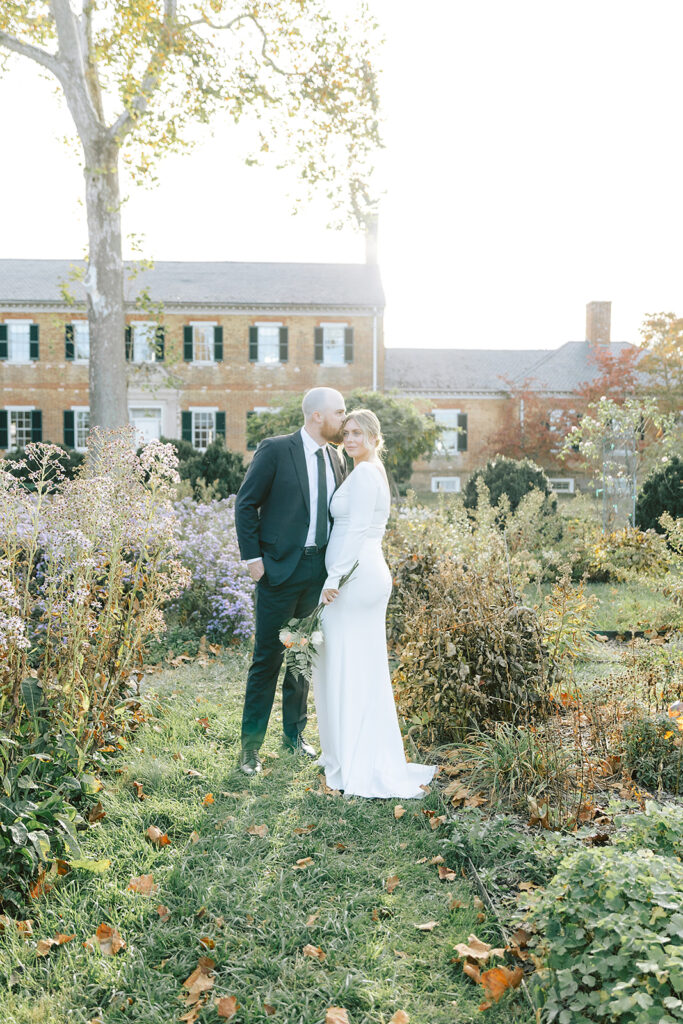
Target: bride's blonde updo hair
[370, 427]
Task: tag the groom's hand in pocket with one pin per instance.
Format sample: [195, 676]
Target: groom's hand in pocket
[256, 569]
[328, 596]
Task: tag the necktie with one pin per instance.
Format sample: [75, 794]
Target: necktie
[321, 520]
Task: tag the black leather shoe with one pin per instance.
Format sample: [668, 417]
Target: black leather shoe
[250, 762]
[299, 746]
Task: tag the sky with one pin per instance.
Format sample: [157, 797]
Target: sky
[532, 164]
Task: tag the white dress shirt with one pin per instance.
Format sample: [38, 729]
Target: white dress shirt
[310, 449]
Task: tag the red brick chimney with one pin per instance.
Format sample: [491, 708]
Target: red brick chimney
[598, 322]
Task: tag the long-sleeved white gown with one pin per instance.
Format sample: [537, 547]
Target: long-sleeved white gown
[362, 749]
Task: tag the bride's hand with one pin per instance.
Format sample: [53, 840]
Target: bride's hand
[328, 596]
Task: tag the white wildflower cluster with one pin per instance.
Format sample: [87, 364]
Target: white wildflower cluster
[12, 626]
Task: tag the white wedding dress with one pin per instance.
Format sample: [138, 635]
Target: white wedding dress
[362, 749]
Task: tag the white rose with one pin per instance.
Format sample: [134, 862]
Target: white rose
[316, 638]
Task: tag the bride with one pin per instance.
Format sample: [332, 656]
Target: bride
[362, 749]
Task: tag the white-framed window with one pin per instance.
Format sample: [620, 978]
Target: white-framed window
[81, 425]
[267, 343]
[203, 427]
[203, 341]
[334, 341]
[561, 484]
[19, 341]
[446, 484]
[143, 335]
[81, 336]
[19, 425]
[453, 437]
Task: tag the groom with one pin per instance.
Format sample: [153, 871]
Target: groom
[282, 521]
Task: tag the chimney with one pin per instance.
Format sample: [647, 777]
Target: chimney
[598, 318]
[371, 238]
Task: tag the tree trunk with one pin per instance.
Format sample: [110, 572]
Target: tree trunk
[104, 285]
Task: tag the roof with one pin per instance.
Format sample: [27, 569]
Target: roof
[457, 371]
[205, 283]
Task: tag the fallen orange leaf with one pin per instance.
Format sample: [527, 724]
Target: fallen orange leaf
[207, 942]
[137, 786]
[445, 874]
[156, 836]
[226, 1007]
[269, 1010]
[106, 939]
[499, 979]
[399, 811]
[163, 912]
[313, 951]
[208, 799]
[43, 946]
[434, 822]
[258, 830]
[144, 884]
[200, 981]
[400, 1017]
[475, 949]
[392, 882]
[428, 927]
[336, 1015]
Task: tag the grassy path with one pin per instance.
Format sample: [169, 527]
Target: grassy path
[242, 893]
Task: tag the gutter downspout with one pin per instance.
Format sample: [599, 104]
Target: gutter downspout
[374, 348]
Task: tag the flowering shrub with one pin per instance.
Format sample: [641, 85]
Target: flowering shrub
[220, 601]
[86, 565]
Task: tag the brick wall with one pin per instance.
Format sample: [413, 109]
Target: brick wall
[54, 384]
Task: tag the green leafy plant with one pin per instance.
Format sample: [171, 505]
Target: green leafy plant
[215, 472]
[661, 492]
[609, 939]
[514, 478]
[653, 752]
[658, 828]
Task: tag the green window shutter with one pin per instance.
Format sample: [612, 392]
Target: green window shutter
[462, 432]
[187, 343]
[69, 428]
[218, 344]
[69, 348]
[220, 425]
[36, 425]
[4, 429]
[348, 344]
[318, 345]
[160, 344]
[129, 341]
[251, 445]
[284, 344]
[34, 344]
[3, 344]
[253, 344]
[186, 426]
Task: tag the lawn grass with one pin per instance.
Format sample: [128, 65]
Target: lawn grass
[624, 606]
[243, 893]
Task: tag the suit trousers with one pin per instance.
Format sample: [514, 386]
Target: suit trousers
[274, 607]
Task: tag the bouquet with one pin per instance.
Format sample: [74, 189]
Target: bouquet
[303, 637]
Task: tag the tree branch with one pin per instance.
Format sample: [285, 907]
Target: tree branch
[248, 17]
[125, 121]
[48, 60]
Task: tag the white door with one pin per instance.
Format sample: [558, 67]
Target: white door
[147, 423]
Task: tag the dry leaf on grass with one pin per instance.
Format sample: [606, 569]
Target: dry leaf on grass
[336, 1015]
[156, 836]
[455, 904]
[258, 830]
[144, 884]
[269, 1010]
[302, 864]
[163, 912]
[399, 811]
[400, 1017]
[96, 813]
[499, 979]
[428, 927]
[137, 786]
[435, 860]
[392, 882]
[44, 946]
[303, 830]
[312, 919]
[226, 1007]
[207, 942]
[475, 949]
[208, 799]
[193, 773]
[106, 939]
[201, 980]
[41, 886]
[437, 820]
[25, 927]
[445, 874]
[313, 951]
[427, 789]
[194, 837]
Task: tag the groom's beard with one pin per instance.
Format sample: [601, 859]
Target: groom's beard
[331, 435]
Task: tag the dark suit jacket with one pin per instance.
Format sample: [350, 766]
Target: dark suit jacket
[272, 513]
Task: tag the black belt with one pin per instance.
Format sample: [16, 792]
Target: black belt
[313, 549]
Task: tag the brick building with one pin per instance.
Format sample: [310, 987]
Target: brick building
[206, 344]
[467, 391]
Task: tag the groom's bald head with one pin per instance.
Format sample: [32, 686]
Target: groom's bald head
[324, 411]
